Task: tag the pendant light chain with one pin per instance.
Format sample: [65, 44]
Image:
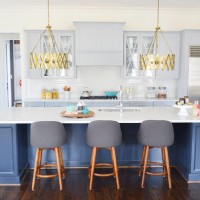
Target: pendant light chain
[154, 60]
[48, 14]
[158, 13]
[157, 27]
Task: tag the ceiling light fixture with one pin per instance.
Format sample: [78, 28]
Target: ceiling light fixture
[50, 57]
[152, 60]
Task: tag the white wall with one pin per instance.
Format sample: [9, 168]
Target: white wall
[19, 19]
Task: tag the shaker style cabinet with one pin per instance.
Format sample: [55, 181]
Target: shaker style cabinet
[65, 42]
[136, 43]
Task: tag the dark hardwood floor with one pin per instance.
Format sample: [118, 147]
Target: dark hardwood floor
[76, 187]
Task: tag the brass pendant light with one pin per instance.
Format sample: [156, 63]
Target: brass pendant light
[51, 57]
[150, 60]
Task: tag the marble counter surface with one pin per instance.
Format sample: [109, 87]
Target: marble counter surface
[29, 115]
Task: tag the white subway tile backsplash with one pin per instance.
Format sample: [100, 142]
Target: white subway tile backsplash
[98, 79]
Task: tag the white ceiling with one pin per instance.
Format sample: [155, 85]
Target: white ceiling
[105, 3]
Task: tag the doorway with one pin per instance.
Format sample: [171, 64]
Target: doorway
[13, 69]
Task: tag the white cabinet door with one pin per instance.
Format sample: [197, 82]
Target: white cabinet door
[131, 59]
[135, 44]
[66, 45]
[146, 48]
[32, 37]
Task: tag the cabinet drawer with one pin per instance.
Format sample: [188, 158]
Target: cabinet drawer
[56, 104]
[163, 103]
[141, 103]
[33, 104]
[102, 104]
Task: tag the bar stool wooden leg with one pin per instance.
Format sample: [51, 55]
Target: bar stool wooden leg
[93, 158]
[142, 160]
[39, 161]
[168, 167]
[35, 168]
[112, 159]
[58, 168]
[61, 163]
[145, 165]
[115, 166]
[163, 160]
[89, 168]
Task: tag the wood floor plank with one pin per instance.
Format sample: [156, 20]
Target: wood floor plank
[76, 187]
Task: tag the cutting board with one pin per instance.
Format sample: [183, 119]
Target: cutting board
[78, 115]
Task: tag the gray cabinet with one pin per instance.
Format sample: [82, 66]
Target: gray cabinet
[136, 43]
[65, 42]
[99, 43]
[141, 103]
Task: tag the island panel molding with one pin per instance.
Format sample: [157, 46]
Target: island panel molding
[15, 140]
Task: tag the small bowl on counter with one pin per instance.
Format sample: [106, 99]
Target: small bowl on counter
[111, 93]
[71, 108]
[85, 111]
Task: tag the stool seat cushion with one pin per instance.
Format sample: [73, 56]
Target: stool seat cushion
[47, 134]
[103, 134]
[157, 133]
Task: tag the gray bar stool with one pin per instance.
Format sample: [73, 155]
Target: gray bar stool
[103, 134]
[48, 135]
[159, 134]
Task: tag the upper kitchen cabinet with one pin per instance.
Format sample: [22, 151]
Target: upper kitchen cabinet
[99, 43]
[65, 42]
[136, 43]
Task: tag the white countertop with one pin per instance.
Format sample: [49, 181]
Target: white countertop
[77, 99]
[29, 115]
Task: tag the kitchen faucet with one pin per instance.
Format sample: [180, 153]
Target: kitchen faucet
[120, 99]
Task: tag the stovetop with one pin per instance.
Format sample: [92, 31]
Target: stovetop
[99, 97]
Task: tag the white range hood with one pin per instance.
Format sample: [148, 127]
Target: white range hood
[99, 43]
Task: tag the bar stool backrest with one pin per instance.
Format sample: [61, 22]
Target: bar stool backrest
[157, 133]
[47, 134]
[104, 134]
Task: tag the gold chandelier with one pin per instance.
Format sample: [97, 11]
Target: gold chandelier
[51, 58]
[150, 60]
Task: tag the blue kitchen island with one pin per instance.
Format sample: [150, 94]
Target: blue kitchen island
[17, 155]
